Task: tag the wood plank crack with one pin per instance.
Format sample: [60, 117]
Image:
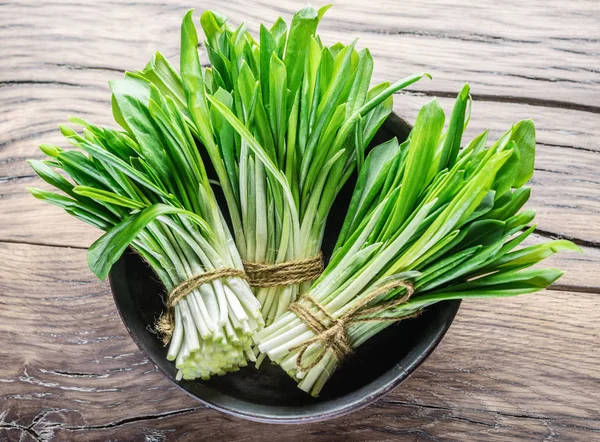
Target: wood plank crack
[4, 179]
[81, 67]
[578, 241]
[40, 244]
[14, 426]
[564, 146]
[531, 101]
[37, 82]
[554, 418]
[147, 417]
[467, 37]
[574, 288]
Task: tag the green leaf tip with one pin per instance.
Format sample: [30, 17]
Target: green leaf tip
[50, 149]
[37, 193]
[566, 245]
[323, 10]
[67, 131]
[308, 12]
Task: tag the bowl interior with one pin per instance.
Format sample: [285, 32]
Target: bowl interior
[268, 394]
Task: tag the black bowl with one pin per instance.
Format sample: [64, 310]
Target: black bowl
[268, 394]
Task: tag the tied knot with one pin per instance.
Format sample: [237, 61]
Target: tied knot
[332, 332]
[285, 273]
[166, 323]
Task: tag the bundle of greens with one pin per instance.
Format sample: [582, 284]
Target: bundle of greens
[428, 222]
[285, 120]
[148, 187]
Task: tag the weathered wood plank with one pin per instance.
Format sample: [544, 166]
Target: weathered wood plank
[519, 50]
[521, 367]
[518, 368]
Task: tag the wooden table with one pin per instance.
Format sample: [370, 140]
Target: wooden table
[521, 368]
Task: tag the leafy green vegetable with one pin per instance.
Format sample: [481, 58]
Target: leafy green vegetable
[148, 187]
[297, 109]
[447, 221]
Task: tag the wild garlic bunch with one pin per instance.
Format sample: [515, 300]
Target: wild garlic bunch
[428, 222]
[147, 186]
[302, 115]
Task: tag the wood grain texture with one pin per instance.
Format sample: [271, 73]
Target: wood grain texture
[506, 368]
[521, 368]
[538, 50]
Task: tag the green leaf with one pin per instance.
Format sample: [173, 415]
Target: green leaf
[83, 170]
[132, 96]
[246, 87]
[291, 163]
[268, 46]
[213, 25]
[225, 134]
[458, 211]
[523, 134]
[516, 200]
[310, 91]
[109, 247]
[50, 150]
[303, 27]
[324, 151]
[531, 255]
[370, 180]
[376, 117]
[278, 104]
[484, 207]
[115, 162]
[162, 74]
[508, 173]
[475, 146]
[423, 142]
[484, 232]
[517, 222]
[537, 278]
[341, 70]
[193, 84]
[455, 130]
[528, 283]
[51, 177]
[279, 33]
[440, 267]
[373, 102]
[109, 197]
[99, 217]
[324, 76]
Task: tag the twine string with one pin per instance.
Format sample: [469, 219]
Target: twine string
[332, 332]
[257, 275]
[166, 323]
[284, 273]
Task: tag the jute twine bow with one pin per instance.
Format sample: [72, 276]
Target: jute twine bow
[334, 335]
[285, 273]
[166, 323]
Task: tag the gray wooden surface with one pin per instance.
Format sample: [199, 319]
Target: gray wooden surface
[523, 368]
